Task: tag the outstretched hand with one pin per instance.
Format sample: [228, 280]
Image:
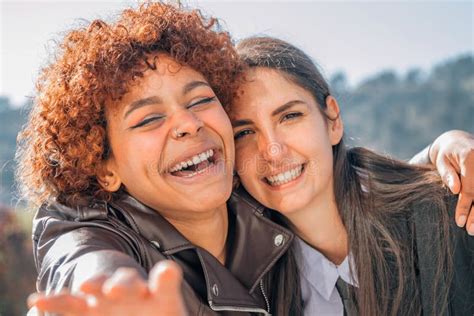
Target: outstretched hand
[124, 293]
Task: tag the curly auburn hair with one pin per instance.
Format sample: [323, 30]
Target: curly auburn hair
[61, 146]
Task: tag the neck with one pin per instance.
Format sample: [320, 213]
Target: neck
[320, 225]
[207, 230]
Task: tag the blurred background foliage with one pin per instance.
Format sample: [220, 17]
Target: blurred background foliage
[395, 114]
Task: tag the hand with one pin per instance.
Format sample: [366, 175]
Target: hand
[453, 155]
[125, 293]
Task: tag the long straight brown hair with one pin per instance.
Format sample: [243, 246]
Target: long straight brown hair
[374, 194]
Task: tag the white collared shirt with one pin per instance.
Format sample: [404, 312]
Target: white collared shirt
[318, 278]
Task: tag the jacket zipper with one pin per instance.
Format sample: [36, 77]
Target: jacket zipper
[265, 296]
[238, 309]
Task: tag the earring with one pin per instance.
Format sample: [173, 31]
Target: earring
[177, 134]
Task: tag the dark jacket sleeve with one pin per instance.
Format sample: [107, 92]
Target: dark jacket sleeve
[68, 252]
[461, 286]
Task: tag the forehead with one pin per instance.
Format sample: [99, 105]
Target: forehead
[265, 89]
[165, 78]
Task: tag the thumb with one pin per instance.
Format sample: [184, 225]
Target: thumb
[449, 175]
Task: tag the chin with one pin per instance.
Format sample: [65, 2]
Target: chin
[288, 205]
[213, 197]
[286, 208]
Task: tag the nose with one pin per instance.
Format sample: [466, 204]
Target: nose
[271, 147]
[187, 124]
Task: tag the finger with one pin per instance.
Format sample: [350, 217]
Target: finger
[470, 222]
[93, 286]
[165, 285]
[449, 175]
[125, 283]
[34, 312]
[467, 175]
[62, 303]
[462, 209]
[466, 196]
[165, 278]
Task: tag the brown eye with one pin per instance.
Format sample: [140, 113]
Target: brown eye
[242, 133]
[291, 116]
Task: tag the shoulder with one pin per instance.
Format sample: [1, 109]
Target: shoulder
[67, 242]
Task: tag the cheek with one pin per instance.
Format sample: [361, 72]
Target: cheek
[218, 120]
[142, 151]
[311, 137]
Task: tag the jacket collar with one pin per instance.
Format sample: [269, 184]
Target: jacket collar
[151, 225]
[258, 242]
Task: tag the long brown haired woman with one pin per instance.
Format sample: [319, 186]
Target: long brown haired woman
[378, 224]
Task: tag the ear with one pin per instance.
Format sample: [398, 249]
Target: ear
[108, 176]
[335, 125]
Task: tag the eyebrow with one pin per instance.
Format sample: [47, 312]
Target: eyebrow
[194, 84]
[157, 100]
[280, 109]
[141, 103]
[238, 123]
[286, 106]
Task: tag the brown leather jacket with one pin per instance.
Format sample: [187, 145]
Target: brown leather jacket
[69, 243]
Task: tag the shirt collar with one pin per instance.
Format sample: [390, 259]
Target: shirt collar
[321, 273]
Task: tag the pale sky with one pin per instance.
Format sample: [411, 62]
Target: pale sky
[360, 38]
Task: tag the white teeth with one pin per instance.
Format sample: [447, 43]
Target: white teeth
[194, 160]
[285, 177]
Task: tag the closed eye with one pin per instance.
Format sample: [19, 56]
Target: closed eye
[148, 121]
[291, 116]
[202, 101]
[242, 133]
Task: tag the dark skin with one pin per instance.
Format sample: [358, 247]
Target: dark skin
[125, 293]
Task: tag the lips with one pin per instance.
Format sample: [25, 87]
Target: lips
[195, 164]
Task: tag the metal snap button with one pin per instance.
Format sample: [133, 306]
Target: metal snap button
[215, 290]
[156, 244]
[278, 240]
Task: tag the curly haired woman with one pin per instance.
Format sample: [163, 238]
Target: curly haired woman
[130, 153]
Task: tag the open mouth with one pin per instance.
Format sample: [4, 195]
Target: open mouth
[196, 164]
[285, 177]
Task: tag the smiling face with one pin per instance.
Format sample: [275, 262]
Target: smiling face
[172, 143]
[283, 142]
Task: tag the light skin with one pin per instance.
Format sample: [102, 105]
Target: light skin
[286, 131]
[278, 131]
[456, 167]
